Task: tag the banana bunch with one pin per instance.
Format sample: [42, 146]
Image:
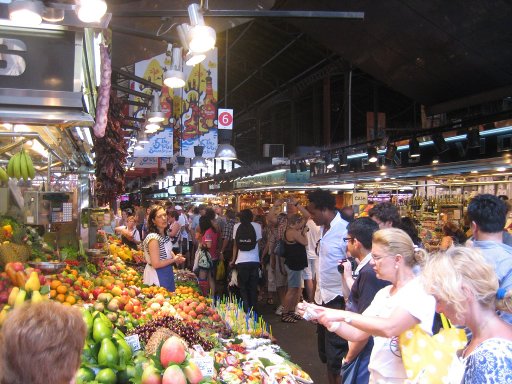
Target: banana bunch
[20, 166]
[3, 175]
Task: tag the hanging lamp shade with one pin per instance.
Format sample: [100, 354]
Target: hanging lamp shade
[26, 12]
[156, 115]
[174, 77]
[90, 11]
[180, 169]
[201, 38]
[198, 161]
[225, 152]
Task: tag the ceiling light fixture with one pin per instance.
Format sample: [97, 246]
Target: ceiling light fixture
[435, 160]
[201, 37]
[90, 11]
[151, 127]
[53, 15]
[156, 115]
[198, 161]
[180, 169]
[414, 147]
[26, 12]
[372, 154]
[174, 77]
[191, 58]
[225, 152]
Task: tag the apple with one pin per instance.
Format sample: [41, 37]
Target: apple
[173, 351]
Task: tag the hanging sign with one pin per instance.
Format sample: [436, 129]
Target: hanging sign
[225, 119]
[160, 145]
[360, 198]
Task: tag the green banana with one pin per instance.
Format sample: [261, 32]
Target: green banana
[3, 175]
[30, 167]
[17, 165]
[23, 165]
[10, 167]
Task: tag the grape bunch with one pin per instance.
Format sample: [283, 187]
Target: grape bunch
[186, 332]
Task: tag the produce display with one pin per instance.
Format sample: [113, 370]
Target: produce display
[140, 334]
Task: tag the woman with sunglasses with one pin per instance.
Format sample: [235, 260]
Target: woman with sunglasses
[395, 308]
[158, 252]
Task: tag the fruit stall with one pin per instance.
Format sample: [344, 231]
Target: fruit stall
[136, 333]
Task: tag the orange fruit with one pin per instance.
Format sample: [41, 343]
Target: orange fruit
[53, 293]
[70, 299]
[61, 297]
[66, 303]
[62, 289]
[54, 284]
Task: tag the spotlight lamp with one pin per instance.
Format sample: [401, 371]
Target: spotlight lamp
[198, 161]
[440, 143]
[372, 154]
[201, 37]
[473, 137]
[225, 152]
[343, 159]
[414, 147]
[191, 58]
[174, 77]
[180, 168]
[156, 115]
[26, 12]
[90, 11]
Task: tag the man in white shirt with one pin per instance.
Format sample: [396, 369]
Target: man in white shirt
[331, 250]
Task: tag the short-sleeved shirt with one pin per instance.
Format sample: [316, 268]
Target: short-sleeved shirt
[252, 256]
[213, 237]
[385, 361]
[313, 236]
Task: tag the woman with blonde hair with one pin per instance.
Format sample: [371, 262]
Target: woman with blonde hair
[395, 308]
[465, 288]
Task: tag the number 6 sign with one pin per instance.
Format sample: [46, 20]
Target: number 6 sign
[225, 119]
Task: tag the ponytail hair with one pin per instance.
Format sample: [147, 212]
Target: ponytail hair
[397, 242]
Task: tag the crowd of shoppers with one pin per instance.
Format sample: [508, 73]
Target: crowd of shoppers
[370, 277]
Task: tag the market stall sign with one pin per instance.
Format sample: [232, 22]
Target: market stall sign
[180, 190]
[40, 67]
[160, 145]
[360, 198]
[263, 180]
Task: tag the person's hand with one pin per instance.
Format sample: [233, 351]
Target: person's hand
[326, 316]
[273, 263]
[347, 265]
[232, 264]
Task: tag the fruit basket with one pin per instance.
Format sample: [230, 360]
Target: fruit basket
[48, 267]
[96, 256]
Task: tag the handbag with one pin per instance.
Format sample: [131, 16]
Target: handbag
[205, 259]
[427, 359]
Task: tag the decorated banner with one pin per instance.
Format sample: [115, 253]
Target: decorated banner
[160, 145]
[191, 112]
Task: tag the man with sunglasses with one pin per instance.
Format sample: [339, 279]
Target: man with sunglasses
[360, 286]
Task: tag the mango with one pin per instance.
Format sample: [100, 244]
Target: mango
[33, 284]
[36, 297]
[108, 355]
[101, 330]
[88, 320]
[84, 375]
[174, 375]
[20, 298]
[106, 376]
[173, 351]
[12, 296]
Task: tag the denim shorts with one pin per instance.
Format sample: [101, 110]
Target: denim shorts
[294, 278]
[311, 270]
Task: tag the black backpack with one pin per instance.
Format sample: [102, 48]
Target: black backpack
[245, 237]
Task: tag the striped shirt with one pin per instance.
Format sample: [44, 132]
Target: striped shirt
[164, 242]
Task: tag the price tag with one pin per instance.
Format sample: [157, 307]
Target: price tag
[205, 364]
[133, 342]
